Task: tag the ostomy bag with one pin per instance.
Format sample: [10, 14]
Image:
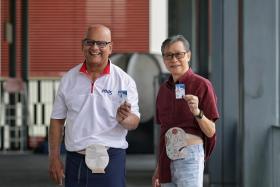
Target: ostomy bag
[97, 158]
[175, 141]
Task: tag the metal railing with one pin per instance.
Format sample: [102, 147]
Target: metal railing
[24, 120]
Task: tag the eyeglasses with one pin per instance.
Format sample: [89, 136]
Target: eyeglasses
[100, 44]
[169, 56]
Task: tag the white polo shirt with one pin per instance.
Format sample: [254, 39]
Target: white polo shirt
[90, 107]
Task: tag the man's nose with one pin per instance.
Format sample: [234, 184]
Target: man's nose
[94, 45]
[173, 58]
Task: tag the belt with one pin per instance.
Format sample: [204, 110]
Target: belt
[82, 152]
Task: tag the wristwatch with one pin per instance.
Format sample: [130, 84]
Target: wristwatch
[200, 115]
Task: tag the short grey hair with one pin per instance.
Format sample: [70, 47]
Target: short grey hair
[174, 39]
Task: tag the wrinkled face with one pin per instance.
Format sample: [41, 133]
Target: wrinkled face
[97, 46]
[176, 59]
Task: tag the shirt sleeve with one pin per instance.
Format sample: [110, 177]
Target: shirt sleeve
[208, 102]
[209, 107]
[133, 97]
[59, 107]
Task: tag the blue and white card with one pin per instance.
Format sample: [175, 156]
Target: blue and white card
[123, 95]
[179, 91]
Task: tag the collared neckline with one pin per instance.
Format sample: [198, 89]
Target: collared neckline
[106, 70]
[186, 76]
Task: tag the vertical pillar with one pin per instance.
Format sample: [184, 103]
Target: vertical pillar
[261, 90]
[25, 74]
[224, 74]
[12, 73]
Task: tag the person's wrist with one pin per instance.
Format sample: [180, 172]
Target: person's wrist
[197, 111]
[199, 115]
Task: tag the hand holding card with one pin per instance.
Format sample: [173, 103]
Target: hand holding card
[125, 107]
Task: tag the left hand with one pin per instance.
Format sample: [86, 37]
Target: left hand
[192, 102]
[123, 111]
[56, 170]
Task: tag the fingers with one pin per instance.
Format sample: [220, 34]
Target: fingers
[57, 177]
[155, 182]
[123, 111]
[190, 97]
[127, 105]
[61, 179]
[192, 102]
[56, 171]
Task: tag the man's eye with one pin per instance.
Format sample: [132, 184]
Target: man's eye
[88, 42]
[100, 43]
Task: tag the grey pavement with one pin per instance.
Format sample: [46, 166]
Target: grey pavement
[18, 169]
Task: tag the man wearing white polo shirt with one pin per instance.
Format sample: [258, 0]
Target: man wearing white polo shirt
[96, 104]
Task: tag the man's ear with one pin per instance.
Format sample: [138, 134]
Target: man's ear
[189, 55]
[111, 47]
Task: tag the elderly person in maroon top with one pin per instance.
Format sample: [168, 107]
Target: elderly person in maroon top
[195, 113]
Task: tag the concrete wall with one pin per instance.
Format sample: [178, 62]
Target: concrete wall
[261, 91]
[245, 73]
[225, 77]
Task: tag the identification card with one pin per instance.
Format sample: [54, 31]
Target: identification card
[123, 95]
[179, 91]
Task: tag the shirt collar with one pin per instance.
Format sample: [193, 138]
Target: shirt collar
[186, 76]
[106, 70]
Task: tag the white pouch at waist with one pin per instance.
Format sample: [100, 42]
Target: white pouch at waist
[175, 141]
[97, 158]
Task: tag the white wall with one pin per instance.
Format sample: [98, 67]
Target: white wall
[158, 24]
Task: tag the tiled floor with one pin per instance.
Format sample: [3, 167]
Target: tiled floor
[31, 170]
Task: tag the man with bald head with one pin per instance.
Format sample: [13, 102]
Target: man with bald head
[95, 106]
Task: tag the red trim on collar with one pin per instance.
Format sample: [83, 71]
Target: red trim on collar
[83, 68]
[106, 70]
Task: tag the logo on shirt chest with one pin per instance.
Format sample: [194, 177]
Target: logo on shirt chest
[109, 92]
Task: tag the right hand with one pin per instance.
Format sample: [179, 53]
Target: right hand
[56, 170]
[155, 180]
[123, 111]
